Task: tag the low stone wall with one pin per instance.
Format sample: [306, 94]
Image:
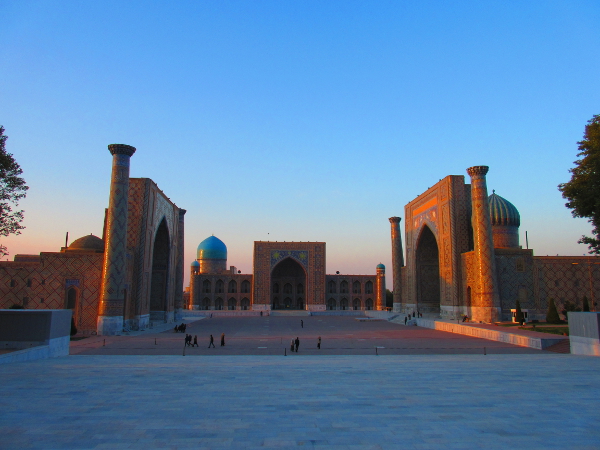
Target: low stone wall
[34, 334]
[338, 312]
[223, 313]
[492, 335]
[584, 333]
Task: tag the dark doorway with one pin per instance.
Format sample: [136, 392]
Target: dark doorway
[160, 273]
[428, 272]
[289, 274]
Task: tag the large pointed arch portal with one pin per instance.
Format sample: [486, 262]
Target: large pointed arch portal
[428, 272]
[288, 285]
[160, 273]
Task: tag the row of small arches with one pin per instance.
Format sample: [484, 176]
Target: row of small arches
[343, 305]
[220, 304]
[356, 287]
[220, 286]
[288, 288]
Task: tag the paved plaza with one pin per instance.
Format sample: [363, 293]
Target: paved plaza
[271, 335]
[535, 400]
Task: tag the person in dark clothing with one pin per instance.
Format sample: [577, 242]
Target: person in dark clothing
[222, 339]
[195, 341]
[297, 342]
[302, 323]
[405, 319]
[187, 340]
[212, 341]
[413, 314]
[319, 343]
[292, 345]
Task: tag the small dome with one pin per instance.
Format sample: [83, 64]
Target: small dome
[380, 266]
[89, 243]
[212, 248]
[195, 264]
[503, 212]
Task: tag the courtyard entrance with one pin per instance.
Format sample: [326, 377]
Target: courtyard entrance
[428, 272]
[288, 285]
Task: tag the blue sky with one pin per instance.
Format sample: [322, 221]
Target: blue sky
[306, 120]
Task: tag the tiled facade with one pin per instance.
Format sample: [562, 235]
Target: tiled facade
[287, 275]
[142, 282]
[446, 273]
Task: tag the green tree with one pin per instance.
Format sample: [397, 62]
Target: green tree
[12, 189]
[586, 304]
[519, 317]
[583, 191]
[552, 314]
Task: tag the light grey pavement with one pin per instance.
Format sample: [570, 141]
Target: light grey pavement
[522, 401]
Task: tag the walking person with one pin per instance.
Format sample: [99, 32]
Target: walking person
[195, 341]
[405, 320]
[319, 343]
[302, 323]
[212, 341]
[292, 345]
[297, 342]
[222, 339]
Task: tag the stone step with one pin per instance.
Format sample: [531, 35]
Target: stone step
[561, 347]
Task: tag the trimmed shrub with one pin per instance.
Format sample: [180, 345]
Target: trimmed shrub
[586, 304]
[552, 314]
[519, 317]
[73, 327]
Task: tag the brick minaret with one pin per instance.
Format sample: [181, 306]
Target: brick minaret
[485, 303]
[380, 288]
[397, 262]
[179, 306]
[112, 300]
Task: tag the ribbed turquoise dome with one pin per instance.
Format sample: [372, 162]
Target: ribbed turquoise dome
[212, 248]
[503, 212]
[195, 264]
[380, 266]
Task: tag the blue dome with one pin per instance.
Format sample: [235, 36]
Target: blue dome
[503, 212]
[195, 264]
[212, 248]
[380, 266]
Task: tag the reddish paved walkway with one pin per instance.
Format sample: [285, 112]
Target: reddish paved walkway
[272, 335]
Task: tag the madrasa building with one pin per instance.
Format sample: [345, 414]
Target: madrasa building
[463, 258]
[286, 276]
[127, 279]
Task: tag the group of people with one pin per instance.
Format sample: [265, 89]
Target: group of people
[188, 341]
[414, 314]
[180, 328]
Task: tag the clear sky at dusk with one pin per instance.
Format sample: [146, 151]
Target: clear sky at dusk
[296, 121]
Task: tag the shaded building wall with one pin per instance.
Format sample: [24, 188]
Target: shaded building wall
[206, 296]
[148, 207]
[310, 255]
[42, 282]
[566, 278]
[365, 295]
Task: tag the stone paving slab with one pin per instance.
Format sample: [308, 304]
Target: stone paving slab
[541, 401]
